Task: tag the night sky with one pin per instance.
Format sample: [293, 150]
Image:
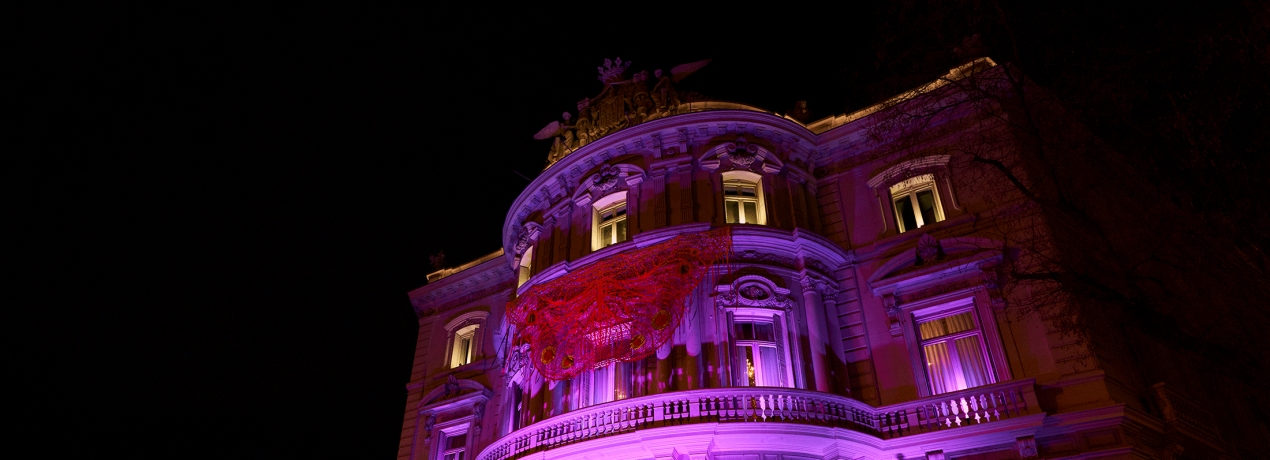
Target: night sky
[263, 188]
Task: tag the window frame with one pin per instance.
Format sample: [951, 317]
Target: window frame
[746, 178]
[457, 361]
[950, 341]
[460, 451]
[474, 320]
[996, 367]
[780, 343]
[909, 188]
[524, 270]
[609, 203]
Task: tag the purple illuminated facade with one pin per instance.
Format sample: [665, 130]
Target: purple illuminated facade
[863, 316]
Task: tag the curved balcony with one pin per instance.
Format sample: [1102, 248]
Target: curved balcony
[950, 411]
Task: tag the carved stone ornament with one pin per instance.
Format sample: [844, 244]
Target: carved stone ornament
[753, 293]
[935, 455]
[928, 249]
[451, 386]
[516, 360]
[890, 303]
[990, 278]
[478, 413]
[752, 256]
[607, 179]
[428, 425]
[1027, 447]
[741, 152]
[828, 291]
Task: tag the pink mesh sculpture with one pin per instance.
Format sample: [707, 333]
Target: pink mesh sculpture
[619, 309]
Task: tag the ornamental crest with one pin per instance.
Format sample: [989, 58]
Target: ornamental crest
[607, 178]
[753, 291]
[742, 153]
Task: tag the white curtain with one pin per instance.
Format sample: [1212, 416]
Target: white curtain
[770, 374]
[601, 387]
[973, 369]
[940, 368]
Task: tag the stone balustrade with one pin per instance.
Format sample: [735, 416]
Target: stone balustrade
[1178, 410]
[770, 405]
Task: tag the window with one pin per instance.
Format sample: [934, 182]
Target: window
[464, 342]
[454, 446]
[916, 203]
[612, 225]
[743, 198]
[953, 348]
[740, 202]
[522, 271]
[609, 221]
[758, 352]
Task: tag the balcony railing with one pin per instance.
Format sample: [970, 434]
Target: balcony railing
[1180, 411]
[770, 405]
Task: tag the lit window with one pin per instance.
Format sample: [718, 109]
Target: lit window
[954, 352]
[757, 350]
[916, 203]
[464, 342]
[740, 202]
[743, 198]
[522, 271]
[454, 447]
[611, 225]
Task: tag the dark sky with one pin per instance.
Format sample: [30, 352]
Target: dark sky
[262, 189]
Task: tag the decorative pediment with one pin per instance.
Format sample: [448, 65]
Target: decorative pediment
[608, 180]
[455, 392]
[932, 255]
[753, 291]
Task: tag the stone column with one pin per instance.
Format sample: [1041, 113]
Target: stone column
[659, 198]
[829, 296]
[563, 217]
[816, 333]
[685, 193]
[633, 205]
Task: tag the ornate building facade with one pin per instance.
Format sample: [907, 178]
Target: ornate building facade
[860, 316]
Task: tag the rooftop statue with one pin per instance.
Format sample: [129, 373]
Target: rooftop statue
[623, 102]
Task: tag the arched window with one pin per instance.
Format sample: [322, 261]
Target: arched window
[743, 198]
[523, 270]
[465, 338]
[916, 202]
[609, 221]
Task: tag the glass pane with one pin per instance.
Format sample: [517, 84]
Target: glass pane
[926, 202]
[904, 210]
[456, 442]
[465, 348]
[606, 235]
[621, 231]
[731, 207]
[940, 368]
[620, 211]
[748, 355]
[770, 372]
[973, 369]
[763, 331]
[747, 190]
[945, 326]
[730, 189]
[623, 381]
[751, 212]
